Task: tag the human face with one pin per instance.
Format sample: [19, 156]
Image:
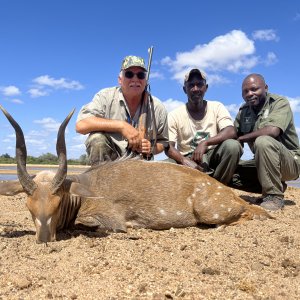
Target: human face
[254, 91]
[195, 89]
[132, 87]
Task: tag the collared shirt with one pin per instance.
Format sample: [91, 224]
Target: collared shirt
[188, 132]
[275, 112]
[109, 103]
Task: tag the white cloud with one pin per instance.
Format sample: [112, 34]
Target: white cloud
[156, 75]
[79, 138]
[61, 83]
[75, 150]
[78, 147]
[10, 90]
[295, 104]
[36, 92]
[48, 124]
[231, 52]
[271, 59]
[265, 35]
[171, 104]
[243, 64]
[215, 79]
[35, 133]
[17, 101]
[233, 109]
[37, 142]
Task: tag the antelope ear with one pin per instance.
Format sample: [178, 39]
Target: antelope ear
[80, 190]
[11, 188]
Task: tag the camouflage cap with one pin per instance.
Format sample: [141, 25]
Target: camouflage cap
[194, 71]
[133, 61]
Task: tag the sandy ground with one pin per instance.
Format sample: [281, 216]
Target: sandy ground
[255, 260]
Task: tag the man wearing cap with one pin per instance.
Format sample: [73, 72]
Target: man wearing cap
[112, 118]
[203, 131]
[266, 123]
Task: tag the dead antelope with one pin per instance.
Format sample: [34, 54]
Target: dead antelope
[121, 194]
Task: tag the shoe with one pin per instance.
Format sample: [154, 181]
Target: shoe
[272, 202]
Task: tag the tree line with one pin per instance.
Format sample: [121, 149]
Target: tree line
[44, 159]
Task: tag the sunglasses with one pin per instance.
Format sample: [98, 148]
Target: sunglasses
[130, 74]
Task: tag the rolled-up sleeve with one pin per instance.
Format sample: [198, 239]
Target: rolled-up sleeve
[223, 117]
[96, 108]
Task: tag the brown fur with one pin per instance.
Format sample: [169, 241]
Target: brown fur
[160, 195]
[133, 193]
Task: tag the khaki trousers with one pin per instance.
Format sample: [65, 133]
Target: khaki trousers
[273, 164]
[221, 160]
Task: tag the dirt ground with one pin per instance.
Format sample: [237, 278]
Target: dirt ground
[255, 260]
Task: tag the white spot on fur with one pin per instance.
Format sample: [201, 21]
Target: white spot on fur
[220, 187]
[208, 183]
[49, 221]
[179, 213]
[162, 211]
[203, 184]
[229, 209]
[216, 216]
[222, 205]
[189, 201]
[218, 193]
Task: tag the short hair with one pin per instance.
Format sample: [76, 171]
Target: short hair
[255, 75]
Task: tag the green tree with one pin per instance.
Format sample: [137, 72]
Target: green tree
[47, 158]
[83, 159]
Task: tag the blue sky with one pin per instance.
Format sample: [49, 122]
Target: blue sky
[55, 55]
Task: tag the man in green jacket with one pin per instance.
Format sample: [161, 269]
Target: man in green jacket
[266, 123]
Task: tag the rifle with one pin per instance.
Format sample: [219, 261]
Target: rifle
[148, 106]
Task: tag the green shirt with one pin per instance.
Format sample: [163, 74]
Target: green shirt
[275, 112]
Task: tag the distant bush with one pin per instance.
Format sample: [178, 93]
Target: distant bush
[7, 159]
[44, 159]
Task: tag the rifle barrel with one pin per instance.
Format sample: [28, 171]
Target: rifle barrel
[150, 51]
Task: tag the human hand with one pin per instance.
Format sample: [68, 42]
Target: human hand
[199, 152]
[131, 135]
[145, 147]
